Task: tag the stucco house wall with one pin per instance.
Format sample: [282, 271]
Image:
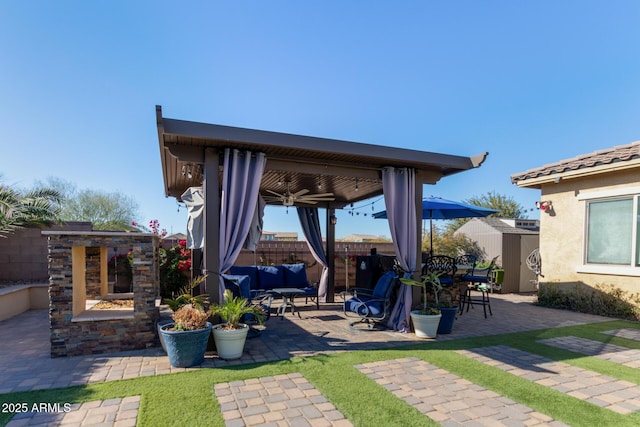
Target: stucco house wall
[569, 185]
[562, 234]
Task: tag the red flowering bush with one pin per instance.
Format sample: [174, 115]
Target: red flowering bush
[154, 224]
[175, 269]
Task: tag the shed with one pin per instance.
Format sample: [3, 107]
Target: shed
[511, 240]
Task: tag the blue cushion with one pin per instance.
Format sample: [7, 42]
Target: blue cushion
[362, 306]
[446, 280]
[310, 291]
[295, 275]
[474, 279]
[243, 283]
[382, 287]
[271, 276]
[251, 271]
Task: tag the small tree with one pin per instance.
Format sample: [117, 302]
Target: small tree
[506, 206]
[445, 242]
[105, 211]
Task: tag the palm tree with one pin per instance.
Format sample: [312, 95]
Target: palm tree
[36, 207]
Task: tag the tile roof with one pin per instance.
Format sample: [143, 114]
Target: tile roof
[620, 153]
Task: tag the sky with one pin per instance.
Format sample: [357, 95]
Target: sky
[531, 83]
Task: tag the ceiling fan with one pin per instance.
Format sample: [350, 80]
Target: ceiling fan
[289, 199]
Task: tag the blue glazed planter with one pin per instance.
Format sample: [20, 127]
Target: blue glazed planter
[185, 348]
[446, 322]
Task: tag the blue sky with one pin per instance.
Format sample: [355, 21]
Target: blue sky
[529, 82]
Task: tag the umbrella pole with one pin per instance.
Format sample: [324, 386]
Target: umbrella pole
[431, 232]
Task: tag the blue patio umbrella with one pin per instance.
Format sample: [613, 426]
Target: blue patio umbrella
[439, 208]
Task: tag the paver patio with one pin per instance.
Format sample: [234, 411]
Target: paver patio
[26, 365]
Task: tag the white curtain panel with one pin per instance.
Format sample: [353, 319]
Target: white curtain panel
[193, 198]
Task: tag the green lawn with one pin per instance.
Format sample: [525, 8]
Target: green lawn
[188, 398]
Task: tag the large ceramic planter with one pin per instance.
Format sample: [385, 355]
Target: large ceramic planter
[230, 342]
[185, 348]
[448, 317]
[425, 325]
[160, 336]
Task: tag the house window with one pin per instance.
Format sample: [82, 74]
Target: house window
[612, 232]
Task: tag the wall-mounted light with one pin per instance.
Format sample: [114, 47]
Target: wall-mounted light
[545, 206]
[333, 220]
[356, 184]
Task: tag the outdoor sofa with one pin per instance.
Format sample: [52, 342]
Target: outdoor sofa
[256, 280]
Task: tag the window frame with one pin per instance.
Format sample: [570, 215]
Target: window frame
[633, 268]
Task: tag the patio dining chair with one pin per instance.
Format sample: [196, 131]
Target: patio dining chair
[372, 306]
[469, 263]
[483, 280]
[444, 265]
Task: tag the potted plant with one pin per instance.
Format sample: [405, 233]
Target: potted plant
[426, 320]
[448, 309]
[185, 296]
[231, 335]
[186, 338]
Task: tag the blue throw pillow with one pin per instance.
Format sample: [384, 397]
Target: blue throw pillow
[380, 291]
[295, 275]
[271, 276]
[251, 271]
[242, 282]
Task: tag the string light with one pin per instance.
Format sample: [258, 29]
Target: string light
[354, 210]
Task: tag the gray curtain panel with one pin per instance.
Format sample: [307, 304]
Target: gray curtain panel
[255, 231]
[399, 189]
[241, 175]
[313, 235]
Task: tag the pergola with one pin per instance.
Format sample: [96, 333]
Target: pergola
[191, 155]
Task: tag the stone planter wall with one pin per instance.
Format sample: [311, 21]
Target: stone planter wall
[101, 331]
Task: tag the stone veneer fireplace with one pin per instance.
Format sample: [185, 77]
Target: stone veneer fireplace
[78, 279]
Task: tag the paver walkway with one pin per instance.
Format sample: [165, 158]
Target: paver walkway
[613, 353]
[602, 390]
[449, 399]
[275, 400]
[112, 412]
[632, 334]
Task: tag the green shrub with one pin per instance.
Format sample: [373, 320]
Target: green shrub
[603, 300]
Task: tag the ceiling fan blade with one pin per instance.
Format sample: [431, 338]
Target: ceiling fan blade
[320, 195]
[275, 194]
[300, 193]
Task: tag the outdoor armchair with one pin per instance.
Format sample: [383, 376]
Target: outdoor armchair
[372, 306]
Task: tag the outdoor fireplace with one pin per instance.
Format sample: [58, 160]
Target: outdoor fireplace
[86, 315]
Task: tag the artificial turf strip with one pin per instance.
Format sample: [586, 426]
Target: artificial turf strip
[188, 398]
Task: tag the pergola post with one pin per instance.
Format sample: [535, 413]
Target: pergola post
[331, 249]
[211, 252]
